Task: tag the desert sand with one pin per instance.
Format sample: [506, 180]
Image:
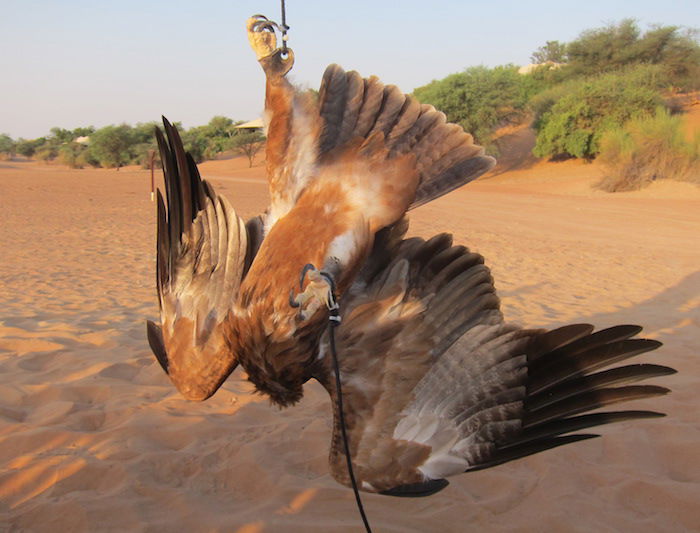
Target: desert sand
[93, 437]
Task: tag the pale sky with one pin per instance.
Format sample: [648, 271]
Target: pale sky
[77, 63]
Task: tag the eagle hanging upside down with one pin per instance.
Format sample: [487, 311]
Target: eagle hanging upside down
[434, 382]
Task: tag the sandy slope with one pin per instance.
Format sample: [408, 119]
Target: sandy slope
[94, 438]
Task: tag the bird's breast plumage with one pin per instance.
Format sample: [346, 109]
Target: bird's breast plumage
[272, 342]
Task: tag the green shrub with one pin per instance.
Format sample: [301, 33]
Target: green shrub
[480, 99]
[543, 101]
[647, 149]
[27, 148]
[69, 155]
[46, 153]
[86, 158]
[576, 121]
[649, 76]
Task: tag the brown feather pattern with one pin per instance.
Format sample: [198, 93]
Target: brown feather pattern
[446, 156]
[201, 258]
[431, 372]
[434, 381]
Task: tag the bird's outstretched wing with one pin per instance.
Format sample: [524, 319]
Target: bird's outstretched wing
[435, 383]
[353, 107]
[203, 252]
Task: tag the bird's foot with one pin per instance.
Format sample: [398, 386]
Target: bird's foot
[319, 292]
[262, 35]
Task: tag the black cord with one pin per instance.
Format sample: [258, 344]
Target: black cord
[284, 27]
[334, 320]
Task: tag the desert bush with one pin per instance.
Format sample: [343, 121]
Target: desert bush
[28, 148]
[648, 149]
[648, 76]
[69, 155]
[86, 158]
[543, 101]
[576, 121]
[46, 153]
[618, 45]
[480, 99]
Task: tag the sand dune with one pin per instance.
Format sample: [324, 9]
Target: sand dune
[93, 437]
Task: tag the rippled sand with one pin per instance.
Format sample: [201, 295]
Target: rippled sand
[94, 438]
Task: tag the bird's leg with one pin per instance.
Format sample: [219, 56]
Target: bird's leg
[319, 292]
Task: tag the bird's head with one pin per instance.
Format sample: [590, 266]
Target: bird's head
[284, 385]
[275, 61]
[279, 365]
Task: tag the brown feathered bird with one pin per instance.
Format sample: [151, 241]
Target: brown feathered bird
[434, 382]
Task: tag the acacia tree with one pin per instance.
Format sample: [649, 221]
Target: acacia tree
[553, 51]
[248, 143]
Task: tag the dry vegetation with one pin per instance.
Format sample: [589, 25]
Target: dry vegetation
[648, 149]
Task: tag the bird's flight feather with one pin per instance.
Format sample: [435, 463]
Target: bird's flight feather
[435, 382]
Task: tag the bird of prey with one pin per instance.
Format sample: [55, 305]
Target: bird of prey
[434, 381]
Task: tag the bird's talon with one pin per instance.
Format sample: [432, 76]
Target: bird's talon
[292, 299]
[307, 268]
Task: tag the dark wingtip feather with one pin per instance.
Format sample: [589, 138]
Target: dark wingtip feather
[162, 247]
[577, 423]
[589, 400]
[455, 177]
[417, 490]
[556, 338]
[519, 451]
[155, 341]
[547, 371]
[605, 378]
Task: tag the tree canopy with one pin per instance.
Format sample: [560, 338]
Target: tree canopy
[601, 79]
[552, 51]
[7, 145]
[111, 144]
[620, 45]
